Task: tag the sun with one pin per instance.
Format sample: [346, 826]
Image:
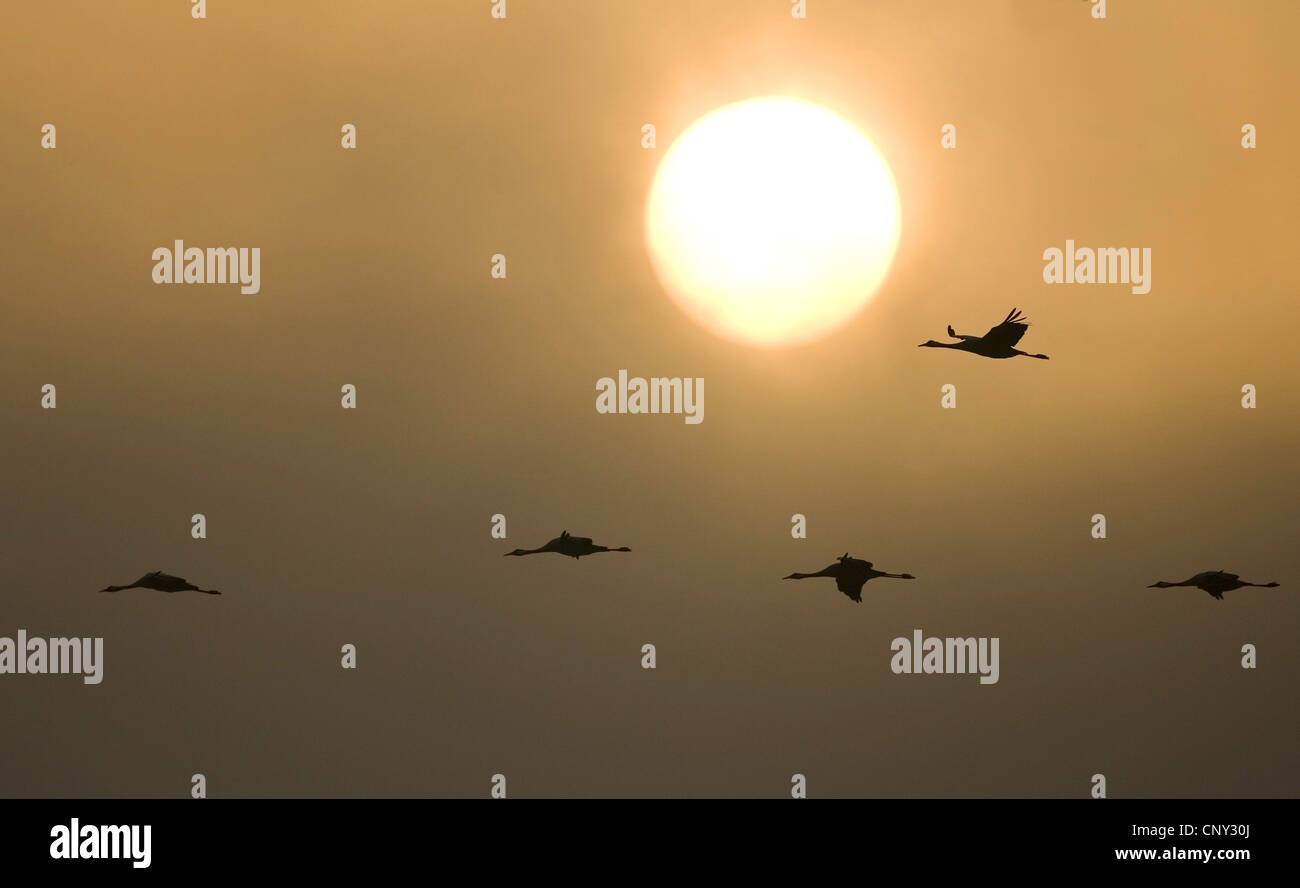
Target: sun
[772, 222]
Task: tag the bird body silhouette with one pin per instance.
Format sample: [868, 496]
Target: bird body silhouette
[1215, 582]
[163, 583]
[850, 574]
[567, 544]
[999, 342]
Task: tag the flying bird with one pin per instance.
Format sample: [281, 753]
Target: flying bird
[850, 574]
[1216, 582]
[999, 342]
[567, 544]
[163, 583]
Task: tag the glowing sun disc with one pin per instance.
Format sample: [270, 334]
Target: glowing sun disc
[772, 222]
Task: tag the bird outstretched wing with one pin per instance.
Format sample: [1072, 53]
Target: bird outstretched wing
[1009, 332]
[851, 586]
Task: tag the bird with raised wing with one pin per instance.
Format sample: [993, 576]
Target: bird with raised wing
[1215, 582]
[850, 574]
[999, 342]
[567, 544]
[163, 583]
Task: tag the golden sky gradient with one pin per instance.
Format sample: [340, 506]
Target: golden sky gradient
[475, 396]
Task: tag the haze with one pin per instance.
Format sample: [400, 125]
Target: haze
[475, 397]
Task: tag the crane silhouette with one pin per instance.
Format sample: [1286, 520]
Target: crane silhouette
[567, 544]
[999, 342]
[163, 583]
[1216, 582]
[850, 574]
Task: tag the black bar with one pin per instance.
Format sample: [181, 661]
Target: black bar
[618, 838]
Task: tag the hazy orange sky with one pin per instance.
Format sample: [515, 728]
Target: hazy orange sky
[475, 397]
